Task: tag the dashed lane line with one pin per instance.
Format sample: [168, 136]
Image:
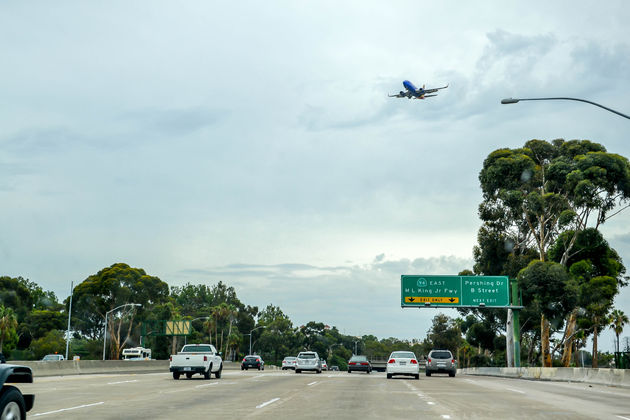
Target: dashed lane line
[68, 409]
[267, 403]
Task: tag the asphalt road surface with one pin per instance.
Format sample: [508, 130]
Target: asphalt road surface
[333, 395]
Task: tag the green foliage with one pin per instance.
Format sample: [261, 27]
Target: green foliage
[547, 287]
[53, 342]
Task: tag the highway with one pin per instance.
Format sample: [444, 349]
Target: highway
[274, 394]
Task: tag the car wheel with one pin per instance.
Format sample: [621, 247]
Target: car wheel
[206, 375]
[349, 371]
[189, 375]
[369, 371]
[297, 370]
[417, 375]
[451, 374]
[175, 375]
[428, 373]
[12, 404]
[389, 376]
[319, 371]
[258, 367]
[218, 372]
[242, 368]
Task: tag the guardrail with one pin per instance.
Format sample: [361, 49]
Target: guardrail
[603, 376]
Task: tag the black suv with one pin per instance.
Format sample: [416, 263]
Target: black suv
[441, 361]
[252, 361]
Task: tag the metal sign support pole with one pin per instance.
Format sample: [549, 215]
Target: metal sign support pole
[516, 330]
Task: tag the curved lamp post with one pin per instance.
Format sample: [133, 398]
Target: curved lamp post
[250, 337]
[105, 326]
[516, 100]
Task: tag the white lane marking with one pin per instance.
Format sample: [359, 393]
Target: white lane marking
[624, 418]
[515, 390]
[267, 403]
[312, 383]
[121, 382]
[446, 416]
[430, 403]
[420, 395]
[68, 409]
[204, 385]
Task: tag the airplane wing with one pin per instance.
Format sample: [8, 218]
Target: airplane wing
[435, 89]
[400, 95]
[424, 96]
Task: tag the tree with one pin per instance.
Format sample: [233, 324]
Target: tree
[532, 194]
[596, 297]
[618, 319]
[8, 324]
[52, 342]
[111, 287]
[445, 333]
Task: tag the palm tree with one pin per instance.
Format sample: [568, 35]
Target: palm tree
[8, 324]
[617, 320]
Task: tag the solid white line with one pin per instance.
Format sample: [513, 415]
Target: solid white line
[68, 409]
[430, 403]
[446, 416]
[267, 403]
[624, 418]
[515, 390]
[121, 382]
[312, 383]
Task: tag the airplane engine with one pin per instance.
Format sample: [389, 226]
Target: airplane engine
[402, 93]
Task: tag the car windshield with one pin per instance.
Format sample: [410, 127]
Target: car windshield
[196, 349]
[402, 355]
[306, 356]
[441, 355]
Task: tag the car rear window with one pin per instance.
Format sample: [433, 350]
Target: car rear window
[403, 355]
[196, 349]
[251, 358]
[441, 355]
[306, 356]
[358, 359]
[289, 359]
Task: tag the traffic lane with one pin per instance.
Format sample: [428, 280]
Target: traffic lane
[477, 397]
[153, 396]
[236, 395]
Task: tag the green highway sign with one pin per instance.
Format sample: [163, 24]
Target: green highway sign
[454, 291]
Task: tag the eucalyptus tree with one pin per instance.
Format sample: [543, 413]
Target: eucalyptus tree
[534, 193]
[8, 324]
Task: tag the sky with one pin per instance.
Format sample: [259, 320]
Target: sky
[254, 142]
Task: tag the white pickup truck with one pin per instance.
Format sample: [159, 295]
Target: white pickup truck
[196, 358]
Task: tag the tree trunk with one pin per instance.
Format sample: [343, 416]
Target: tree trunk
[544, 342]
[595, 364]
[569, 340]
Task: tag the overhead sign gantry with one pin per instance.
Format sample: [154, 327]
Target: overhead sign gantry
[454, 291]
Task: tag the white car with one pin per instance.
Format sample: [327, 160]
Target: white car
[289, 362]
[53, 358]
[403, 363]
[324, 365]
[308, 360]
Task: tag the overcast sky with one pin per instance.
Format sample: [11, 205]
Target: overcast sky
[254, 143]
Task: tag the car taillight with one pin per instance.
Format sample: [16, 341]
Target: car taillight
[170, 358]
[453, 361]
[243, 360]
[364, 364]
[205, 358]
[429, 360]
[414, 362]
[392, 361]
[258, 360]
[352, 363]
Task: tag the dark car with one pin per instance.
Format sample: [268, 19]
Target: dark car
[252, 361]
[14, 404]
[359, 364]
[441, 361]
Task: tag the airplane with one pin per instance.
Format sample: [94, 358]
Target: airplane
[415, 93]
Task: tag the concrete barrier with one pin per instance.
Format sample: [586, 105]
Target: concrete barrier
[604, 376]
[90, 367]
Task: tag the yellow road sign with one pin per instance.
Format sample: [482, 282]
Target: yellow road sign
[431, 299]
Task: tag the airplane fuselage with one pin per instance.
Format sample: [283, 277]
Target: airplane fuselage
[412, 89]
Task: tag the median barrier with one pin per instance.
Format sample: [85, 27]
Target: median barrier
[603, 376]
[89, 367]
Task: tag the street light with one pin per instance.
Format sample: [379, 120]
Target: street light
[250, 337]
[516, 100]
[69, 313]
[105, 326]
